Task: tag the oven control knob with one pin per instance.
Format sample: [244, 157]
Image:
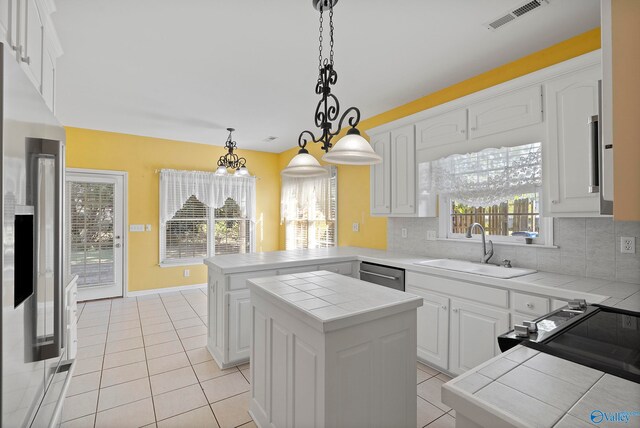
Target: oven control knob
[577, 304]
[531, 326]
[521, 330]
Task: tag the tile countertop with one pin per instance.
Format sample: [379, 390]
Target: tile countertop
[330, 301]
[619, 294]
[526, 388]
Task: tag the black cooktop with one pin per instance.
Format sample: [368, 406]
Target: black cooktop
[608, 340]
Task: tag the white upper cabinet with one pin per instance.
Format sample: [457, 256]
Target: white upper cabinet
[444, 129]
[9, 22]
[506, 112]
[380, 181]
[31, 37]
[570, 103]
[403, 170]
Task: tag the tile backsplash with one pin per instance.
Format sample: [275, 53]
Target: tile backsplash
[588, 247]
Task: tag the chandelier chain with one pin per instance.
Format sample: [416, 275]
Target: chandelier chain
[331, 33]
[320, 40]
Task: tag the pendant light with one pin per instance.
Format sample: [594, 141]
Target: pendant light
[230, 160]
[352, 149]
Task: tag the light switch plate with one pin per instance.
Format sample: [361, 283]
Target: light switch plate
[136, 228]
[186, 273]
[628, 244]
[148, 228]
[404, 232]
[356, 227]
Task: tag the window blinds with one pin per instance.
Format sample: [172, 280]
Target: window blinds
[309, 211]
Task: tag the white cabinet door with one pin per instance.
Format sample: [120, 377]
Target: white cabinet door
[571, 101]
[433, 328]
[502, 113]
[380, 181]
[239, 324]
[444, 129]
[403, 170]
[31, 40]
[9, 22]
[473, 334]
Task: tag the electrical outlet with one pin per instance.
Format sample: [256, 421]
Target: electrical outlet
[186, 273]
[628, 244]
[356, 227]
[148, 228]
[404, 232]
[431, 235]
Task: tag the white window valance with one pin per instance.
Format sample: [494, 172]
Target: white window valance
[176, 187]
[490, 176]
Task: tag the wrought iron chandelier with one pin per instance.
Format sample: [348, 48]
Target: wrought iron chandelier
[352, 149]
[230, 160]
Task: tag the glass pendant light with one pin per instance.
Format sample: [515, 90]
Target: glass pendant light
[232, 160]
[352, 149]
[222, 170]
[242, 172]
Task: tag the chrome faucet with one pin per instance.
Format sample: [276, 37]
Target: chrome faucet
[486, 255]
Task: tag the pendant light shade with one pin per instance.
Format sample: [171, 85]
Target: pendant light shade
[352, 149]
[304, 165]
[222, 170]
[242, 172]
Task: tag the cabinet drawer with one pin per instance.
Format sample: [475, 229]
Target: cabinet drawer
[239, 281]
[529, 304]
[466, 290]
[299, 269]
[341, 268]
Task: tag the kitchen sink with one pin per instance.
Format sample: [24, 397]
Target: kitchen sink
[476, 268]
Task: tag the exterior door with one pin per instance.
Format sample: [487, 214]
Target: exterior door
[95, 232]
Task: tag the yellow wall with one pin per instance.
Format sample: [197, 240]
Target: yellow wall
[353, 181]
[625, 38]
[140, 157]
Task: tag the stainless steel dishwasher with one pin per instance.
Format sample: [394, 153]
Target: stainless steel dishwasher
[382, 275]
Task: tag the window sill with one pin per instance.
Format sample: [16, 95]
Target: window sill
[505, 243]
[182, 263]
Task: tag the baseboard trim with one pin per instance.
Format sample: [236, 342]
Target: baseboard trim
[165, 290]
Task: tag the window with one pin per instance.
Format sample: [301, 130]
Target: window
[498, 188]
[310, 211]
[216, 218]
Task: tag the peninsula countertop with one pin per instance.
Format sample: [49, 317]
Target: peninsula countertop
[559, 286]
[526, 388]
[330, 301]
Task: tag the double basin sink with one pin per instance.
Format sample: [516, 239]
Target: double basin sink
[476, 268]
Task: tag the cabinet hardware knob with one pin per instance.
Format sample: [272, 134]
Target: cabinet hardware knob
[455, 309]
[444, 307]
[462, 131]
[530, 305]
[554, 201]
[473, 129]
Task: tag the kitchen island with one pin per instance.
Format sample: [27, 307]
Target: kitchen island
[329, 350]
[526, 388]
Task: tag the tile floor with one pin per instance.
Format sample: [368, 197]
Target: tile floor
[143, 362]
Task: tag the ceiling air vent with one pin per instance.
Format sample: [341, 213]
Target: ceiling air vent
[270, 139]
[516, 13]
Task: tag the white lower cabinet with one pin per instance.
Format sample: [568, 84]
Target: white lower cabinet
[473, 334]
[433, 328]
[239, 327]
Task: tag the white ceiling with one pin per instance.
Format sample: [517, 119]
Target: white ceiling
[188, 69]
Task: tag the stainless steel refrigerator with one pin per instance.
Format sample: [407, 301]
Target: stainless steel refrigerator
[35, 370]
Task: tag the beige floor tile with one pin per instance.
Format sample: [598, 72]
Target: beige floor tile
[131, 333]
[225, 386]
[430, 390]
[194, 342]
[198, 330]
[249, 425]
[189, 322]
[199, 355]
[90, 351]
[123, 358]
[83, 422]
[168, 363]
[443, 377]
[247, 374]
[445, 421]
[178, 401]
[151, 315]
[124, 374]
[233, 411]
[88, 365]
[132, 415]
[92, 322]
[244, 366]
[157, 338]
[123, 318]
[92, 331]
[124, 345]
[174, 379]
[96, 339]
[427, 412]
[79, 405]
[84, 383]
[422, 376]
[126, 325]
[155, 319]
[200, 417]
[123, 393]
[162, 349]
[425, 368]
[210, 369]
[157, 328]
